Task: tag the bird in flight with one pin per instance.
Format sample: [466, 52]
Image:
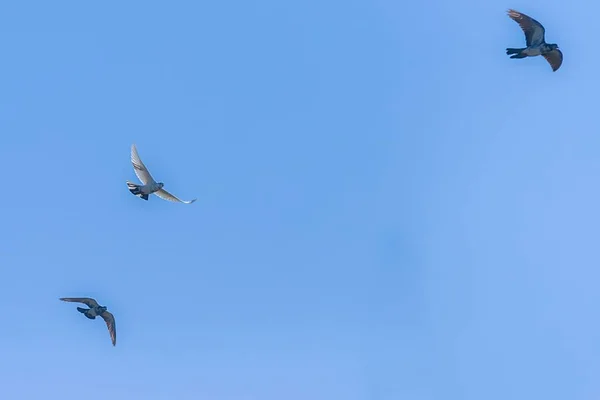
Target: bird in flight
[535, 41]
[149, 184]
[94, 311]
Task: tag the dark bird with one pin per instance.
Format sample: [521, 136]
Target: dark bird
[535, 40]
[95, 310]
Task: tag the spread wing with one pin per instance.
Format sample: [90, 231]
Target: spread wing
[163, 194]
[91, 303]
[534, 31]
[138, 166]
[112, 327]
[554, 58]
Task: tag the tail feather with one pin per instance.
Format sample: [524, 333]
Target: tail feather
[83, 311]
[513, 51]
[135, 190]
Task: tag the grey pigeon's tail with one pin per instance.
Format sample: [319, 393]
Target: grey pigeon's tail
[135, 190]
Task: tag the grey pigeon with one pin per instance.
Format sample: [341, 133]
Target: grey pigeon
[149, 184]
[94, 311]
[535, 41]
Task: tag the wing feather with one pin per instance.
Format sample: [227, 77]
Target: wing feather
[111, 325]
[554, 58]
[534, 31]
[138, 166]
[163, 194]
[91, 303]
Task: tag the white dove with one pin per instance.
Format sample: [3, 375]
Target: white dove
[149, 184]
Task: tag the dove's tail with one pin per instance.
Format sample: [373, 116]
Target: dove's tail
[135, 189]
[516, 52]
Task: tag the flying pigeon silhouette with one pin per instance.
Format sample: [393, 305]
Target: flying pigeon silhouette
[149, 184]
[95, 310]
[535, 40]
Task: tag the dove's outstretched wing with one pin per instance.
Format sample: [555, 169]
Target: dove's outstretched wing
[138, 166]
[534, 31]
[554, 58]
[163, 194]
[111, 325]
[91, 303]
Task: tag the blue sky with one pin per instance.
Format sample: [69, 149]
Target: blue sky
[388, 206]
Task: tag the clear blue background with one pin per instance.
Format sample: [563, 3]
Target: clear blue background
[389, 207]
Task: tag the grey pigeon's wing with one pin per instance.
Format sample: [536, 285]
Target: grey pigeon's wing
[534, 31]
[91, 303]
[111, 325]
[138, 166]
[163, 194]
[554, 58]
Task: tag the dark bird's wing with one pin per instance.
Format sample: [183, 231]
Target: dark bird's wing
[555, 58]
[112, 327]
[534, 31]
[91, 303]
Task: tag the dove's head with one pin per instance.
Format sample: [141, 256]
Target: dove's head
[160, 185]
[553, 46]
[103, 308]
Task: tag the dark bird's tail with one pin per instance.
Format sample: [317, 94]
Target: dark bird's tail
[516, 53]
[83, 311]
[135, 190]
